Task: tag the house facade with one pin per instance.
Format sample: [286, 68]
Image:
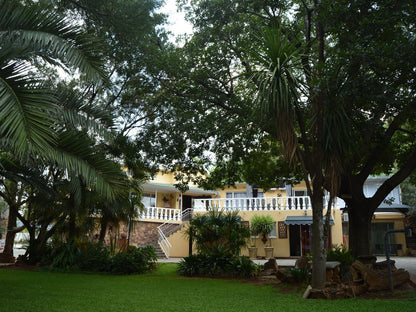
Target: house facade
[167, 212]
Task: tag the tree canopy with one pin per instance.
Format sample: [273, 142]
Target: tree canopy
[329, 84]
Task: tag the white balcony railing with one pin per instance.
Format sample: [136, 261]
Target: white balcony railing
[254, 204]
[234, 204]
[165, 214]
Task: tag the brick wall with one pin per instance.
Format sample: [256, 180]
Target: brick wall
[142, 233]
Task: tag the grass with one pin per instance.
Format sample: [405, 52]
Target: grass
[162, 290]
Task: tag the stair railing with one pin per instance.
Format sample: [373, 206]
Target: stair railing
[168, 228]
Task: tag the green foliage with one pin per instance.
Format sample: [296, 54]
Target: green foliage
[408, 188]
[96, 257]
[213, 265]
[65, 256]
[341, 254]
[262, 224]
[218, 233]
[300, 275]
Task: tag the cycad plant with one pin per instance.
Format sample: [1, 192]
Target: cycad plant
[218, 233]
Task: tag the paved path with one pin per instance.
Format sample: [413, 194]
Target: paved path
[407, 263]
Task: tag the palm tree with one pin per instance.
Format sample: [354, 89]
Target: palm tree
[304, 120]
[30, 110]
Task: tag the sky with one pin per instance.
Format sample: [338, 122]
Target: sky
[177, 24]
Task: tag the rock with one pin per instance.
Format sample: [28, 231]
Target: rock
[412, 279]
[332, 275]
[271, 265]
[7, 258]
[268, 272]
[285, 275]
[303, 263]
[378, 280]
[332, 264]
[383, 266]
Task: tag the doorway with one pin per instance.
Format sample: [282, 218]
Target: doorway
[300, 240]
[187, 202]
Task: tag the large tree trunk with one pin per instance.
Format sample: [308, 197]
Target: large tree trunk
[359, 215]
[318, 244]
[10, 234]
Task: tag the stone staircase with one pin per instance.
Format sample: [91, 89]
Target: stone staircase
[159, 252]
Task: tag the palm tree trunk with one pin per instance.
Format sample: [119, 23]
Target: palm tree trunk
[10, 235]
[103, 230]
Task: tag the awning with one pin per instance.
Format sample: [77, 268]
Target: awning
[168, 188]
[303, 220]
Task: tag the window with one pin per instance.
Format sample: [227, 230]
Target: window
[149, 200]
[236, 195]
[273, 233]
[301, 193]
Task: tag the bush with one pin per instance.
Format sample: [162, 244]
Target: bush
[218, 233]
[208, 265]
[244, 267]
[96, 257]
[65, 256]
[135, 260]
[299, 275]
[340, 254]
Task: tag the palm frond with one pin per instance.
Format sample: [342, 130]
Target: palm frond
[77, 153]
[47, 34]
[278, 61]
[26, 110]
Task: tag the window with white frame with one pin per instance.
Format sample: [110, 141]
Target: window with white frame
[236, 195]
[149, 200]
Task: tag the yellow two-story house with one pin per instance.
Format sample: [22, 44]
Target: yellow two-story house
[167, 212]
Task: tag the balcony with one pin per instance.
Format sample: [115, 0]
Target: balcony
[232, 204]
[254, 204]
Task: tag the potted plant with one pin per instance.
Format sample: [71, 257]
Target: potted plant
[263, 225]
[252, 249]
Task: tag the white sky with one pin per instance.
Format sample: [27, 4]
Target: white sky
[176, 20]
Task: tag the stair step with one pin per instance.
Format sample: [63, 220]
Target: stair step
[159, 252]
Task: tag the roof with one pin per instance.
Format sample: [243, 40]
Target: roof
[394, 207]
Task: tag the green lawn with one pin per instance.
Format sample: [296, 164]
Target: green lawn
[161, 290]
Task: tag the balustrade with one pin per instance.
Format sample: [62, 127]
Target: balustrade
[254, 204]
[165, 214]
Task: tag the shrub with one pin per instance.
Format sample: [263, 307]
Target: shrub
[191, 265]
[218, 233]
[211, 265]
[65, 256]
[135, 260]
[341, 254]
[244, 267]
[299, 275]
[95, 257]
